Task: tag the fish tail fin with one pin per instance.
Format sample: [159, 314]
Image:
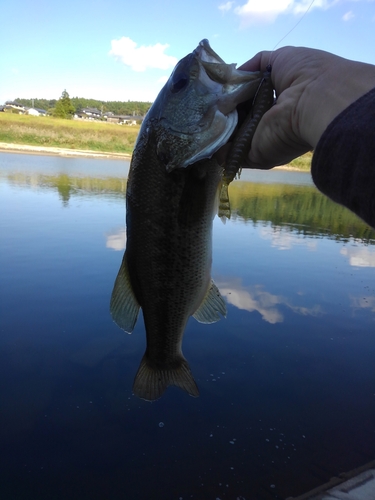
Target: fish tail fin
[224, 205]
[150, 381]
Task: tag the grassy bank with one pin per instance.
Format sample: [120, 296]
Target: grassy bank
[81, 135]
[302, 162]
[72, 134]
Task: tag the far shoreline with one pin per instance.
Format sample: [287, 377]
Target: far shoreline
[66, 152]
[80, 153]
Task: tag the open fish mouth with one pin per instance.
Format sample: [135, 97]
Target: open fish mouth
[196, 109]
[206, 53]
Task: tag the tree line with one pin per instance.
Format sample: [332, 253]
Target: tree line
[301, 209]
[66, 103]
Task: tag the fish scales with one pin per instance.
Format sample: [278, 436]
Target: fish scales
[172, 246]
[171, 199]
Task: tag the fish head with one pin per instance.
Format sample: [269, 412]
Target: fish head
[195, 112]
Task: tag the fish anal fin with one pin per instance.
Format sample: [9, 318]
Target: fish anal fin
[124, 306]
[151, 381]
[211, 307]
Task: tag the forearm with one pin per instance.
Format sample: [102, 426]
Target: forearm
[343, 165]
[338, 83]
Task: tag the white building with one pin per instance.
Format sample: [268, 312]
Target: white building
[36, 112]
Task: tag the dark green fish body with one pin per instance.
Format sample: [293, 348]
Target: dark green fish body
[171, 199]
[170, 240]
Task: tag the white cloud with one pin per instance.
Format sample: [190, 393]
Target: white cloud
[143, 57]
[359, 256]
[284, 239]
[301, 6]
[255, 298]
[349, 15]
[266, 11]
[253, 11]
[363, 302]
[116, 240]
[163, 79]
[224, 7]
[252, 299]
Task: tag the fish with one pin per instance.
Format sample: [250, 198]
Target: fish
[172, 196]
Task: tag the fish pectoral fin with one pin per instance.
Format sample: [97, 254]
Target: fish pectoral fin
[124, 306]
[150, 382]
[212, 304]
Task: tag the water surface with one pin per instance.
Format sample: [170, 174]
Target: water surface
[287, 380]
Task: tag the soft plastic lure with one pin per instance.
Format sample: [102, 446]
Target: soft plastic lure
[262, 102]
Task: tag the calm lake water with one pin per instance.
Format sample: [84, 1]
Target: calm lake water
[287, 380]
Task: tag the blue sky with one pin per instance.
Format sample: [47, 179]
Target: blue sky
[120, 50]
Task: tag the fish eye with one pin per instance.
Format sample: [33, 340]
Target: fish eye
[179, 83]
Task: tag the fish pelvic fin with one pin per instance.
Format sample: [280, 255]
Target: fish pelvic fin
[124, 306]
[212, 306]
[151, 381]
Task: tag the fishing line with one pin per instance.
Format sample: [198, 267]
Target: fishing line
[295, 26]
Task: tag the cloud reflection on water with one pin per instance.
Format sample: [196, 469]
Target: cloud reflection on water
[255, 298]
[116, 239]
[359, 256]
[363, 303]
[283, 239]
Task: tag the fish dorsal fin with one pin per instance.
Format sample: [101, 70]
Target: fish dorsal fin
[151, 381]
[124, 306]
[212, 305]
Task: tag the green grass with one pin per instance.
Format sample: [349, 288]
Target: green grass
[85, 135]
[72, 134]
[302, 162]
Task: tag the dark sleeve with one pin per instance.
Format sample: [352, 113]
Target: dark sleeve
[343, 165]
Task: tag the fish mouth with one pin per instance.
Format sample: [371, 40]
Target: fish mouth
[205, 53]
[198, 106]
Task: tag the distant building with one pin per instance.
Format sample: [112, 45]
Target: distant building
[15, 105]
[123, 119]
[90, 113]
[36, 112]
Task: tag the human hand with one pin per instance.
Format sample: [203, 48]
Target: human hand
[312, 88]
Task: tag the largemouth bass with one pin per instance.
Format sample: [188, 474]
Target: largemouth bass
[171, 199]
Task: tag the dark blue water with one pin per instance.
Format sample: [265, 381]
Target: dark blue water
[287, 380]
